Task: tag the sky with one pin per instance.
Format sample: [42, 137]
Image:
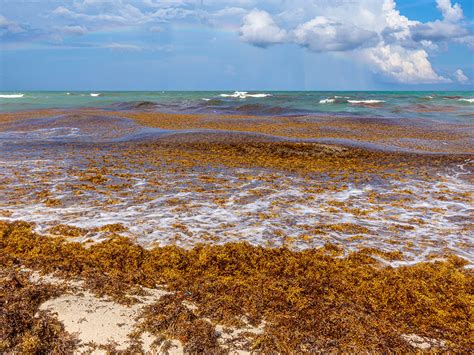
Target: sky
[236, 45]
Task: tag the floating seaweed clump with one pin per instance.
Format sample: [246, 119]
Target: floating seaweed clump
[311, 300]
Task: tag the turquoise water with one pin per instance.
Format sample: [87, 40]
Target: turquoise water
[446, 106]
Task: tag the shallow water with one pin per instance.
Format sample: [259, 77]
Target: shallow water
[83, 172]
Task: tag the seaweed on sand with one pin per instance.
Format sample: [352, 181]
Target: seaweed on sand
[311, 300]
[169, 317]
[23, 327]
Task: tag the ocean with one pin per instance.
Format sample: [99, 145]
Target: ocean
[444, 106]
[385, 170]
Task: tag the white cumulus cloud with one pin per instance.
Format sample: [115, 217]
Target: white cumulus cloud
[9, 26]
[371, 31]
[450, 12]
[402, 64]
[322, 34]
[461, 77]
[260, 29]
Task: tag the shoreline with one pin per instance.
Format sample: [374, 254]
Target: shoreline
[223, 241]
[103, 171]
[201, 291]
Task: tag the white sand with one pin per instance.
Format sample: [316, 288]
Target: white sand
[101, 321]
[98, 320]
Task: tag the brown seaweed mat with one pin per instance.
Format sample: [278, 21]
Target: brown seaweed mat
[307, 301]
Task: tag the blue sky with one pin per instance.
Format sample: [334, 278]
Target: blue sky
[236, 45]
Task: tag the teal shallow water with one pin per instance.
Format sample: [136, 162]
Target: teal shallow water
[445, 106]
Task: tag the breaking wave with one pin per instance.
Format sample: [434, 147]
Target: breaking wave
[244, 95]
[11, 96]
[327, 101]
[346, 99]
[365, 102]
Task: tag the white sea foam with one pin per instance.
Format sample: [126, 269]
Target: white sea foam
[470, 100]
[244, 95]
[11, 96]
[345, 99]
[258, 95]
[327, 101]
[428, 220]
[206, 99]
[368, 102]
[95, 95]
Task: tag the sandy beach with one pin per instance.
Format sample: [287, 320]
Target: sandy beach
[140, 231]
[236, 177]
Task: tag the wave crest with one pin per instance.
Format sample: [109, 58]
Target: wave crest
[244, 95]
[11, 96]
[327, 101]
[365, 102]
[346, 100]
